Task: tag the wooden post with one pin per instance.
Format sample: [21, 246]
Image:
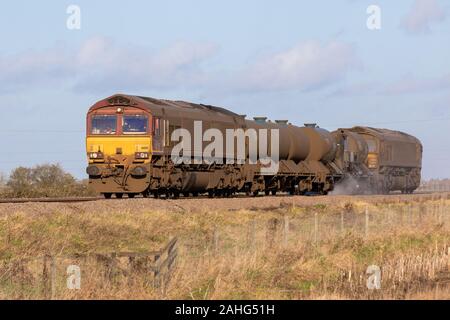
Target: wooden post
[448, 259]
[342, 222]
[286, 231]
[251, 239]
[410, 209]
[216, 241]
[272, 226]
[111, 265]
[45, 278]
[366, 229]
[53, 277]
[401, 216]
[316, 227]
[157, 271]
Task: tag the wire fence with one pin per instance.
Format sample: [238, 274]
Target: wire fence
[290, 228]
[52, 276]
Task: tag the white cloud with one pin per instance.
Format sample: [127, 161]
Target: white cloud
[411, 84]
[422, 15]
[354, 89]
[307, 66]
[131, 67]
[102, 64]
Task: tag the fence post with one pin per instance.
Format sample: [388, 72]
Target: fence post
[251, 239]
[286, 231]
[216, 241]
[410, 211]
[53, 277]
[342, 222]
[448, 259]
[110, 265]
[271, 231]
[45, 287]
[316, 227]
[366, 229]
[157, 271]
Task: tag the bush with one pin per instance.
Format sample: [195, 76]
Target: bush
[2, 182]
[48, 180]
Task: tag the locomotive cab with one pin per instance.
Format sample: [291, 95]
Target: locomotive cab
[119, 147]
[395, 159]
[373, 148]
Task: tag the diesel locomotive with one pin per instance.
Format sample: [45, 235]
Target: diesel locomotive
[130, 143]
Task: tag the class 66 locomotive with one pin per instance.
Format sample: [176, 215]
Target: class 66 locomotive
[131, 142]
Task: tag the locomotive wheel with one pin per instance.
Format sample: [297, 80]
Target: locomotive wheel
[211, 193]
[267, 192]
[119, 195]
[255, 193]
[107, 195]
[131, 195]
[195, 194]
[274, 192]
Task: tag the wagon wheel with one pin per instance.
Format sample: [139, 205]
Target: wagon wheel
[146, 193]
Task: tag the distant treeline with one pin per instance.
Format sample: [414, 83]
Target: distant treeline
[48, 180]
[435, 185]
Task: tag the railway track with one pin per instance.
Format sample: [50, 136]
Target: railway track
[86, 199]
[68, 199]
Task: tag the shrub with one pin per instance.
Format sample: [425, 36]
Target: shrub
[48, 180]
[2, 183]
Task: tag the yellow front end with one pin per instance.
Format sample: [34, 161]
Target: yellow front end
[119, 164]
[372, 161]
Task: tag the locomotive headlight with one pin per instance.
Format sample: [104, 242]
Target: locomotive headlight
[141, 155]
[139, 171]
[93, 171]
[95, 155]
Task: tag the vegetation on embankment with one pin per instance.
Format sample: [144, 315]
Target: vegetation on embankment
[292, 252]
[43, 181]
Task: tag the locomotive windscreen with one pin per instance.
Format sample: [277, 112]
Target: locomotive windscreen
[135, 124]
[104, 124]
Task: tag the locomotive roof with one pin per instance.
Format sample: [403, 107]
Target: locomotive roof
[386, 134]
[159, 106]
[185, 104]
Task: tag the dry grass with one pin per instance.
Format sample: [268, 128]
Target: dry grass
[321, 253]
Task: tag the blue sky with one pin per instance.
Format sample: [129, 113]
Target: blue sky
[306, 61]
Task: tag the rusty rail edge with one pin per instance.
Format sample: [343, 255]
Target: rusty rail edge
[28, 200]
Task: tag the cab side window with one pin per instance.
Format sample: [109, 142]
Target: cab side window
[156, 127]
